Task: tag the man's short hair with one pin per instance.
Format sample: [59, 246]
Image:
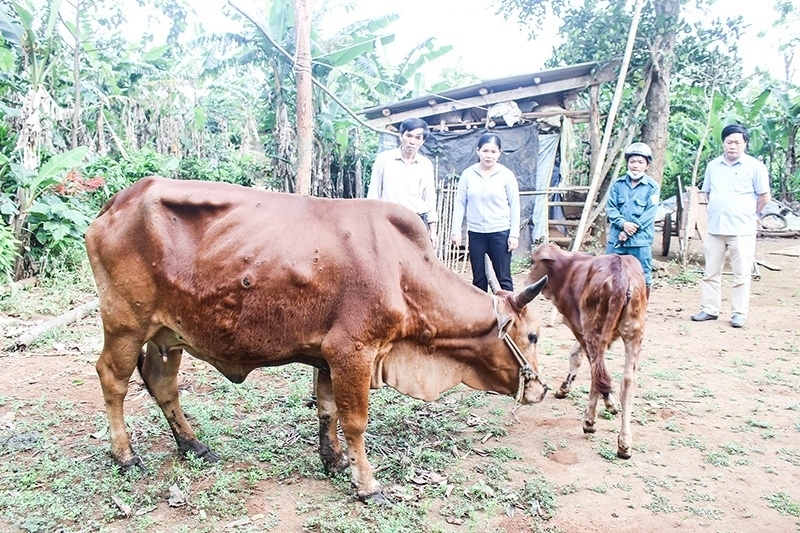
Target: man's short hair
[730, 129]
[411, 124]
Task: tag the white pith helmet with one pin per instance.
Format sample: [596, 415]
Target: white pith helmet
[639, 149]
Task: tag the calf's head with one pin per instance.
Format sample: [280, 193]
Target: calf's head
[543, 261]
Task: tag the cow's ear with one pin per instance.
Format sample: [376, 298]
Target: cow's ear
[504, 324]
[504, 321]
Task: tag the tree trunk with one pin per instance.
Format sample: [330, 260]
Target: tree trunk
[76, 72]
[656, 127]
[305, 111]
[791, 165]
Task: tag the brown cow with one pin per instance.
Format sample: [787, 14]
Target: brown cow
[602, 299]
[244, 279]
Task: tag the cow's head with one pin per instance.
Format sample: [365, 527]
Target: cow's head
[518, 328]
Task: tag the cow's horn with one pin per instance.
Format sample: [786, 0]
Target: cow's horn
[526, 295]
[494, 284]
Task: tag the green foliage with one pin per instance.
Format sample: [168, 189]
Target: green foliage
[58, 225]
[8, 251]
[247, 170]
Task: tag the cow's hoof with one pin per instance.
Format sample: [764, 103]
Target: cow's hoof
[133, 463]
[624, 453]
[561, 393]
[589, 428]
[612, 410]
[377, 498]
[208, 455]
[199, 450]
[334, 465]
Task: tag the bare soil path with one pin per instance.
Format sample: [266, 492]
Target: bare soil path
[716, 431]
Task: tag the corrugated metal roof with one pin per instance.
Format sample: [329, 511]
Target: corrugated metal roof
[486, 87]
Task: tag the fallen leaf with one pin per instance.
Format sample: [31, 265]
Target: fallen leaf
[124, 507]
[176, 497]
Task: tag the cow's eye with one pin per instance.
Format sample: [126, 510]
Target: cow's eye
[533, 337]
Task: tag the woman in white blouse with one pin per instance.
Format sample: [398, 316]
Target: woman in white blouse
[488, 196]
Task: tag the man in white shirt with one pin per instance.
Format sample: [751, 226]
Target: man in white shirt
[405, 177]
[736, 186]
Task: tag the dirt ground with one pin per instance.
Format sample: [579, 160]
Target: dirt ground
[716, 420]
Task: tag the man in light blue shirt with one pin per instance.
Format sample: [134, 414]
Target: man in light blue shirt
[736, 186]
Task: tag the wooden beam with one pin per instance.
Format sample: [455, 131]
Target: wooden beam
[487, 100]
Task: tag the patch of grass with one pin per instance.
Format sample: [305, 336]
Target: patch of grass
[688, 442]
[520, 265]
[759, 424]
[686, 278]
[705, 512]
[717, 459]
[789, 455]
[738, 361]
[783, 503]
[660, 504]
[570, 488]
[607, 453]
[548, 448]
[734, 448]
[262, 430]
[537, 496]
[653, 395]
[668, 375]
[599, 489]
[703, 393]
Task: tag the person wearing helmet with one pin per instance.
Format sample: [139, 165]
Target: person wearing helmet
[736, 186]
[631, 210]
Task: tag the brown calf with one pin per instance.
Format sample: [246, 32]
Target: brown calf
[602, 299]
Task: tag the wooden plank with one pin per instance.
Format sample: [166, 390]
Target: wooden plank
[766, 264]
[792, 251]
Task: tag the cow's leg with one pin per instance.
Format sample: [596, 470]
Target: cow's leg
[114, 367]
[330, 449]
[633, 350]
[351, 383]
[160, 374]
[575, 358]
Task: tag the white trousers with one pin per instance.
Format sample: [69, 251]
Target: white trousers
[743, 252]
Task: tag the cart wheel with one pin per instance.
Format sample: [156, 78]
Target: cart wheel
[666, 234]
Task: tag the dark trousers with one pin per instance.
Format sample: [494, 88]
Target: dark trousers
[496, 246]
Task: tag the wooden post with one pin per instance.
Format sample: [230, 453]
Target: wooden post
[305, 109]
[612, 112]
[596, 175]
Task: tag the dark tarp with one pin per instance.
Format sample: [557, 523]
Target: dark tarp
[532, 164]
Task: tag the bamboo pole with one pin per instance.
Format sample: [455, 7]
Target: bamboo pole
[690, 214]
[612, 113]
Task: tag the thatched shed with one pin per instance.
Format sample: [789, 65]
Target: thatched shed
[533, 114]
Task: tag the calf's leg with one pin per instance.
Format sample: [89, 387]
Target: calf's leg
[601, 384]
[576, 355]
[633, 350]
[159, 371]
